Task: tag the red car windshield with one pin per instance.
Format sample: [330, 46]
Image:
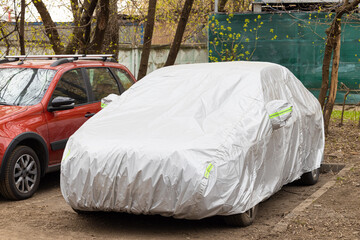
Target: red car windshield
[24, 86]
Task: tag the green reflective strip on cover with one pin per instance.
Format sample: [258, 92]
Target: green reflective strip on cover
[67, 154]
[103, 105]
[208, 169]
[280, 113]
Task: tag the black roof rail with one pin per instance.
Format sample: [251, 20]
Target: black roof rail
[111, 60]
[5, 60]
[61, 61]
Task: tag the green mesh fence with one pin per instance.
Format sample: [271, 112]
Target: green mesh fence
[294, 40]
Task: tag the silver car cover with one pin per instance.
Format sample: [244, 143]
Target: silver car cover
[193, 141]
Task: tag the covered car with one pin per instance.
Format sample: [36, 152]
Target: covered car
[197, 140]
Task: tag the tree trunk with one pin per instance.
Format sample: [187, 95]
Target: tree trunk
[333, 46]
[111, 40]
[175, 46]
[82, 24]
[101, 24]
[237, 5]
[221, 6]
[21, 29]
[149, 29]
[82, 33]
[73, 42]
[334, 80]
[326, 69]
[75, 10]
[50, 27]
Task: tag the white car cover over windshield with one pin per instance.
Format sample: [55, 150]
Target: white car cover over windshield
[193, 141]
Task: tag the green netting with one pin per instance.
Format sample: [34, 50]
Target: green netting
[294, 40]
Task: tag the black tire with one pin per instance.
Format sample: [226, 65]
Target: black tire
[22, 174]
[310, 178]
[243, 219]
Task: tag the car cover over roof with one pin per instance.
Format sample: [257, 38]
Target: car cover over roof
[196, 140]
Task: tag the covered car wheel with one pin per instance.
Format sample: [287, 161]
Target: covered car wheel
[22, 174]
[310, 178]
[243, 219]
[81, 212]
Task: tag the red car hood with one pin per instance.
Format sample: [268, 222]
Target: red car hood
[7, 111]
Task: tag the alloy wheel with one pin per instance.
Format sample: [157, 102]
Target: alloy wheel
[25, 173]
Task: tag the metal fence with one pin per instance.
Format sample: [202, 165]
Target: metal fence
[295, 40]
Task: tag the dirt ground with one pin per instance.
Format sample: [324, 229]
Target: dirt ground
[335, 215]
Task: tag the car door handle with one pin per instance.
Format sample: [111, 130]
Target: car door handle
[87, 115]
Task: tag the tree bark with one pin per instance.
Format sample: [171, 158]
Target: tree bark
[334, 80]
[84, 38]
[221, 6]
[175, 46]
[22, 28]
[78, 40]
[149, 29]
[333, 47]
[111, 40]
[50, 27]
[325, 72]
[237, 5]
[331, 33]
[101, 24]
[75, 10]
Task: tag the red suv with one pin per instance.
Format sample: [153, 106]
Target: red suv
[43, 101]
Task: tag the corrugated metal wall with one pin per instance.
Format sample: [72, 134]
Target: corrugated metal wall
[295, 40]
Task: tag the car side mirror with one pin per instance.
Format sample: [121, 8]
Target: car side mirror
[61, 103]
[279, 112]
